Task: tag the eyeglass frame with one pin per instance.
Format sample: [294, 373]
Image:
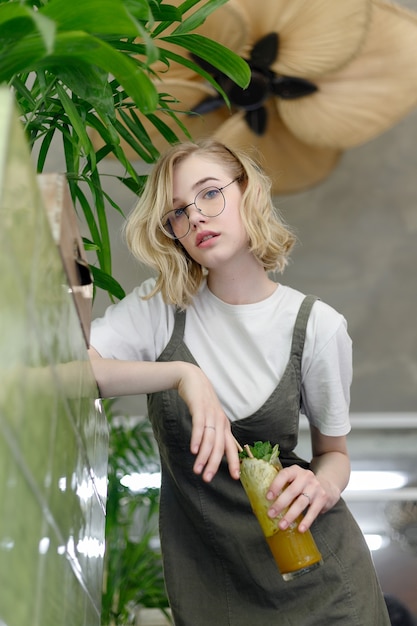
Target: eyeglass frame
[163, 229]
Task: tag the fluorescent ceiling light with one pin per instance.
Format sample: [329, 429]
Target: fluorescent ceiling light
[359, 481]
[375, 481]
[376, 542]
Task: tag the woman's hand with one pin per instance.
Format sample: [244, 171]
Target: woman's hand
[312, 491]
[296, 490]
[211, 436]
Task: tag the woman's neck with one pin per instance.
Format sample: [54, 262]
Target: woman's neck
[240, 287]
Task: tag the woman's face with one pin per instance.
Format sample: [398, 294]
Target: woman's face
[211, 241]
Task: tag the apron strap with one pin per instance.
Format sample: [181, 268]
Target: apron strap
[176, 337]
[300, 327]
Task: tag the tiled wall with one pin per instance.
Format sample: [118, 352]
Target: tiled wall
[53, 436]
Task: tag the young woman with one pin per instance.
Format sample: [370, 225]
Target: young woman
[224, 351]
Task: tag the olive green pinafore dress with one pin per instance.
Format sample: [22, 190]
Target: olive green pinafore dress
[218, 568]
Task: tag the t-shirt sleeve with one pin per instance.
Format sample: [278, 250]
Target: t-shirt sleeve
[134, 329]
[327, 371]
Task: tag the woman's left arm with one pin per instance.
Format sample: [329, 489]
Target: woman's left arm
[315, 490]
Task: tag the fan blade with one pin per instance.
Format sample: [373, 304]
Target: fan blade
[257, 120]
[291, 87]
[265, 51]
[208, 105]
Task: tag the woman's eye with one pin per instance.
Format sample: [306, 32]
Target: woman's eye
[177, 213]
[211, 193]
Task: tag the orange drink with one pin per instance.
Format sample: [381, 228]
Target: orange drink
[295, 553]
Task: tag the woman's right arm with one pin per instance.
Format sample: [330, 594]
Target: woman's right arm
[115, 377]
[211, 433]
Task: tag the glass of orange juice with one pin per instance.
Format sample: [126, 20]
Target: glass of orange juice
[295, 553]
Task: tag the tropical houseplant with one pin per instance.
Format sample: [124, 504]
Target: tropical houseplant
[78, 67]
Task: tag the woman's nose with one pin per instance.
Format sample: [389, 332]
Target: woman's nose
[195, 216]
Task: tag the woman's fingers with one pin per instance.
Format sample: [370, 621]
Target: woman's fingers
[210, 454]
[232, 455]
[293, 492]
[216, 441]
[211, 436]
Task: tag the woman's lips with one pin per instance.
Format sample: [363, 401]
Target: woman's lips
[204, 237]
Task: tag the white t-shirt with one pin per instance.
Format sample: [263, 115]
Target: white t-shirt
[243, 349]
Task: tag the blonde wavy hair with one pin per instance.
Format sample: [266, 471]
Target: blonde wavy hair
[179, 277]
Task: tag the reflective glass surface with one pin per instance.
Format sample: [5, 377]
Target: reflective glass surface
[53, 436]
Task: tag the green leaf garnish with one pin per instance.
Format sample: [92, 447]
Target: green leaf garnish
[262, 450]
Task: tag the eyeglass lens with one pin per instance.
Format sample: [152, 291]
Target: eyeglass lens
[209, 202]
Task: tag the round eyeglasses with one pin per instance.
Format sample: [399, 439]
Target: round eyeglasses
[210, 202]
